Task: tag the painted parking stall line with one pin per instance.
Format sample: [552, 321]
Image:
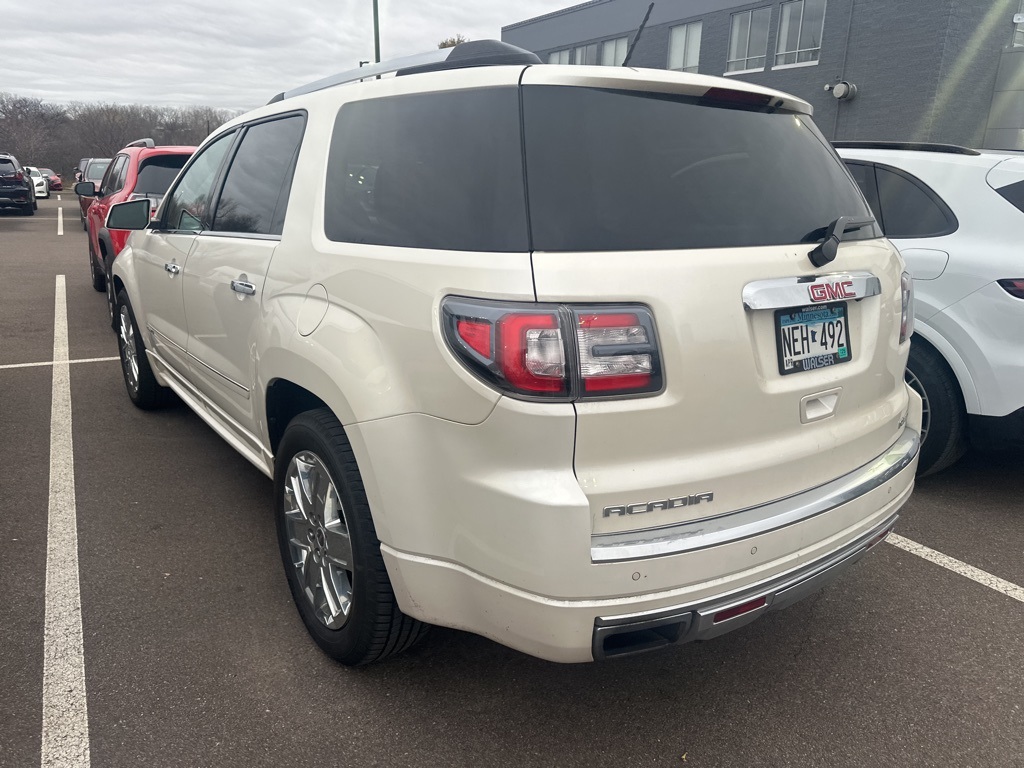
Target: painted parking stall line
[60, 220]
[65, 735]
[58, 362]
[984, 578]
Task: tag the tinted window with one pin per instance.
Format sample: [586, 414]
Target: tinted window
[157, 173]
[114, 178]
[255, 194]
[189, 205]
[438, 170]
[616, 170]
[909, 208]
[864, 175]
[1014, 194]
[7, 167]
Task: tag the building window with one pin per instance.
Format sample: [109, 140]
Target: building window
[613, 52]
[586, 54]
[684, 47]
[1018, 30]
[559, 57]
[748, 40]
[800, 31]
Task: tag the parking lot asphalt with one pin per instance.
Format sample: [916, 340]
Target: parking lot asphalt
[195, 656]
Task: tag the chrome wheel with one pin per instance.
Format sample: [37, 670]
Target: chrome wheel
[318, 540]
[129, 355]
[926, 410]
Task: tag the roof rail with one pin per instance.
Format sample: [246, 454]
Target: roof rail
[917, 146]
[147, 143]
[475, 53]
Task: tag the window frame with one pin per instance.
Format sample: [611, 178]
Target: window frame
[113, 179]
[558, 54]
[749, 13]
[616, 62]
[1017, 40]
[584, 47]
[218, 179]
[685, 27]
[225, 170]
[779, 54]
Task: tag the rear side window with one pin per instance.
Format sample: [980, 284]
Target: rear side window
[255, 193]
[1014, 195]
[437, 170]
[909, 207]
[95, 170]
[157, 173]
[113, 180]
[622, 170]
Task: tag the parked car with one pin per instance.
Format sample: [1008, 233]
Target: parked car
[654, 398]
[16, 187]
[957, 216]
[95, 169]
[140, 170]
[56, 185]
[39, 183]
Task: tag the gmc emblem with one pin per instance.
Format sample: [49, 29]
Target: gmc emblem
[832, 291]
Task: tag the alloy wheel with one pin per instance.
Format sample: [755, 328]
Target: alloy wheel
[129, 354]
[926, 410]
[318, 539]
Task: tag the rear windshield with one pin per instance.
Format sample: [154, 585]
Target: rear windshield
[157, 173]
[621, 170]
[1013, 194]
[95, 170]
[435, 170]
[7, 167]
[47, 172]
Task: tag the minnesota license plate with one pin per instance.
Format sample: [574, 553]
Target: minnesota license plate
[812, 337]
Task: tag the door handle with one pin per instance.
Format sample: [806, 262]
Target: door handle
[172, 268]
[239, 286]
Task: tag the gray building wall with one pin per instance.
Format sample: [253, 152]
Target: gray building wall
[1006, 121]
[925, 69]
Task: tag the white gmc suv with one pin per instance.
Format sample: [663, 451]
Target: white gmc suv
[587, 360]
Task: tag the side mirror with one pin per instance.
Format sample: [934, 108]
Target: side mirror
[132, 215]
[85, 189]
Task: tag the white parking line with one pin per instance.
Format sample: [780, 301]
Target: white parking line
[969, 571]
[58, 198]
[65, 736]
[60, 221]
[59, 362]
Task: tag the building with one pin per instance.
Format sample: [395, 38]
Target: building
[921, 70]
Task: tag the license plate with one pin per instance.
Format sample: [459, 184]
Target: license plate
[812, 337]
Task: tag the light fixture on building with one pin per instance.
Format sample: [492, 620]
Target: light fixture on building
[843, 90]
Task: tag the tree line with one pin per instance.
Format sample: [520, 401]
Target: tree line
[57, 136]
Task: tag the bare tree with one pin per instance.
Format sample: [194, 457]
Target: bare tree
[451, 42]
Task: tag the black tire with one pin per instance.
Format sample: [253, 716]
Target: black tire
[29, 209]
[143, 389]
[85, 225]
[374, 628]
[944, 426]
[99, 279]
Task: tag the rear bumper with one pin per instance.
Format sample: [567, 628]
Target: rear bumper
[675, 597]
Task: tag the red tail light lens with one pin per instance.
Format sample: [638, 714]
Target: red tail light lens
[1014, 287]
[555, 351]
[19, 176]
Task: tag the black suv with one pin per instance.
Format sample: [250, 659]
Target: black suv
[16, 186]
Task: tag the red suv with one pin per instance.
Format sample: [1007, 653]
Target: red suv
[138, 171]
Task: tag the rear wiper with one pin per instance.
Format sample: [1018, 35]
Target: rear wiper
[826, 251]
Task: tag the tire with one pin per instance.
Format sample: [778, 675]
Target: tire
[29, 209]
[99, 278]
[143, 389]
[944, 420]
[332, 561]
[85, 225]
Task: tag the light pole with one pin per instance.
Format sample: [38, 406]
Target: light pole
[376, 33]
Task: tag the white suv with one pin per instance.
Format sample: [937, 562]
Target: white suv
[957, 216]
[569, 357]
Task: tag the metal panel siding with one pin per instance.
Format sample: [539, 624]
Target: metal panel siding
[1006, 122]
[925, 69]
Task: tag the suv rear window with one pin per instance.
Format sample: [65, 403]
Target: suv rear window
[616, 170]
[1013, 194]
[7, 167]
[434, 170]
[157, 173]
[95, 170]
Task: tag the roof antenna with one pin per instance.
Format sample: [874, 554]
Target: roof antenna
[629, 53]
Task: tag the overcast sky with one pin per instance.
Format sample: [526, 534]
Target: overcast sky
[228, 54]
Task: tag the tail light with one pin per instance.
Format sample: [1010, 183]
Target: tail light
[1014, 287]
[907, 312]
[153, 204]
[19, 176]
[555, 351]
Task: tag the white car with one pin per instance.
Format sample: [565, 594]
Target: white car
[40, 183]
[587, 360]
[957, 216]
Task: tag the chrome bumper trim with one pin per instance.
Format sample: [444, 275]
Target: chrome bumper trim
[696, 621]
[753, 521]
